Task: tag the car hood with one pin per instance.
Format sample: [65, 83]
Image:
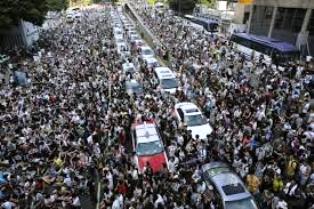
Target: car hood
[170, 91]
[202, 130]
[155, 161]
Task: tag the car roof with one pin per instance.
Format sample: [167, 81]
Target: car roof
[132, 82]
[146, 132]
[128, 65]
[145, 47]
[150, 59]
[230, 186]
[188, 108]
[122, 44]
[164, 73]
[228, 183]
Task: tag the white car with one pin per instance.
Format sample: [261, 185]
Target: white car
[128, 67]
[137, 43]
[146, 52]
[151, 62]
[119, 40]
[190, 115]
[118, 28]
[134, 36]
[133, 87]
[165, 79]
[69, 19]
[123, 50]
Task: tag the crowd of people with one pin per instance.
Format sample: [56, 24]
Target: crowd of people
[67, 131]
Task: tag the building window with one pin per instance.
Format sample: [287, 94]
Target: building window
[261, 19]
[289, 19]
[310, 27]
[246, 17]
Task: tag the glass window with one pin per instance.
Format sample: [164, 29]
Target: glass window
[310, 27]
[298, 18]
[289, 19]
[215, 171]
[149, 148]
[279, 18]
[169, 83]
[261, 19]
[240, 204]
[195, 120]
[233, 189]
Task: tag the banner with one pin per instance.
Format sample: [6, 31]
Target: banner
[247, 2]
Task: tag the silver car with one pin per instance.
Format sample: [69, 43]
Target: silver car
[231, 190]
[133, 87]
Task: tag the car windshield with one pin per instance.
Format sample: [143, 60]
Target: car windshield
[195, 120]
[119, 40]
[147, 52]
[247, 203]
[215, 171]
[136, 88]
[169, 83]
[130, 69]
[150, 148]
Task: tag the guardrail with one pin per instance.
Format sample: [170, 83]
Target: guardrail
[146, 34]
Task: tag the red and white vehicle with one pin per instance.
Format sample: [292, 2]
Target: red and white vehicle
[148, 146]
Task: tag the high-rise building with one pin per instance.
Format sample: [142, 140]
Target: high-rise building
[287, 20]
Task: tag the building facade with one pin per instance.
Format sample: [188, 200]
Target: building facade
[287, 20]
[22, 35]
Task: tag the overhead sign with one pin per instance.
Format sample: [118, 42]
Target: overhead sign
[246, 2]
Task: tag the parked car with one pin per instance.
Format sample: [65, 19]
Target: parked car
[128, 67]
[146, 52]
[133, 87]
[190, 115]
[165, 80]
[151, 62]
[123, 50]
[228, 187]
[148, 146]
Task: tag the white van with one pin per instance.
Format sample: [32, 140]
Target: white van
[165, 79]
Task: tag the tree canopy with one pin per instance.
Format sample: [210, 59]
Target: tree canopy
[57, 5]
[182, 6]
[34, 11]
[12, 11]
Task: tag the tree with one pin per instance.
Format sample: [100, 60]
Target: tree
[57, 5]
[12, 11]
[182, 6]
[208, 3]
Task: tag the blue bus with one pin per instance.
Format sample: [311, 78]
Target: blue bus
[273, 50]
[208, 24]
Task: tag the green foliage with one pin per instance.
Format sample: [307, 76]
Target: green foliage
[74, 3]
[57, 5]
[12, 11]
[182, 6]
[34, 11]
[208, 3]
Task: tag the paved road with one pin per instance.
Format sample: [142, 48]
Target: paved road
[86, 202]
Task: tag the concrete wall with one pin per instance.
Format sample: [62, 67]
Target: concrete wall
[239, 13]
[287, 3]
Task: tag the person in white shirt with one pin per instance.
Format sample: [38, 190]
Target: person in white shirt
[8, 205]
[118, 202]
[158, 201]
